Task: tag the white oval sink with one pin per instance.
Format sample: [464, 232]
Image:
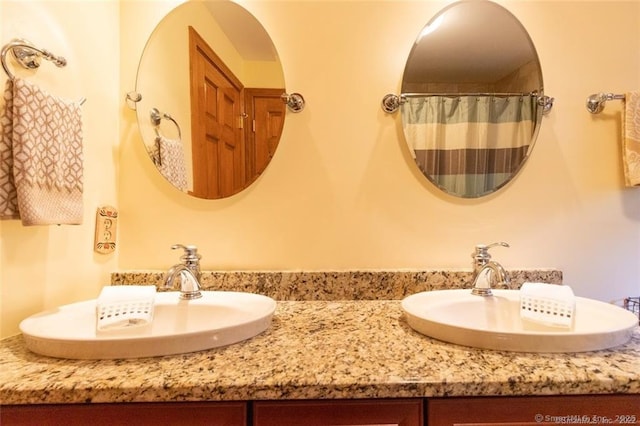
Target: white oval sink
[494, 322]
[219, 318]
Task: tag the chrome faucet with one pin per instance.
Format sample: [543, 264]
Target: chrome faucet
[487, 271]
[188, 271]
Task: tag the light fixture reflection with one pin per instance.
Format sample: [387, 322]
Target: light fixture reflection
[431, 27]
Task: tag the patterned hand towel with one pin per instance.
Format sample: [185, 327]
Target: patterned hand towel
[631, 139]
[46, 142]
[169, 158]
[8, 195]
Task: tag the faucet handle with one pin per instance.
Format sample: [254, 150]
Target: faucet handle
[481, 253]
[190, 252]
[486, 247]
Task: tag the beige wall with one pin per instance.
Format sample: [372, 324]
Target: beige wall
[341, 192]
[44, 266]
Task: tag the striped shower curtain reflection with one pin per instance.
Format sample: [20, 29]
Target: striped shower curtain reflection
[469, 145]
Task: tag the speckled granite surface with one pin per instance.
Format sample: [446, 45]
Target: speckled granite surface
[334, 349]
[343, 285]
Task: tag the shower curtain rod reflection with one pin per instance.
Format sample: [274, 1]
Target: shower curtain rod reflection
[455, 95]
[391, 103]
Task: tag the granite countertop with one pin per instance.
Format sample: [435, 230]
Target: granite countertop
[319, 349]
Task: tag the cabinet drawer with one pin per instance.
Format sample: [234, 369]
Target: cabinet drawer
[152, 414]
[401, 412]
[584, 409]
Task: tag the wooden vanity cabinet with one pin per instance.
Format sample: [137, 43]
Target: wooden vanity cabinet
[486, 411]
[143, 414]
[399, 412]
[494, 411]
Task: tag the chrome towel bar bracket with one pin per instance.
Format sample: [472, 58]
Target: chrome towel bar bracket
[595, 102]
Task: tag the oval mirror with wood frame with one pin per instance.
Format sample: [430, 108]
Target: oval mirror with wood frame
[211, 110]
[472, 98]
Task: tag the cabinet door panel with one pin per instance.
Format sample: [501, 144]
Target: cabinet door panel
[398, 412]
[493, 411]
[152, 414]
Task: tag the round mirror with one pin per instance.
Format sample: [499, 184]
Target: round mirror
[470, 101]
[211, 109]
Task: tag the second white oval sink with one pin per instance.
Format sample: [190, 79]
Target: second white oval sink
[219, 318]
[494, 322]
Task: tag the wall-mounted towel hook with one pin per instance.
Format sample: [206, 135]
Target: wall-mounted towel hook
[294, 101]
[595, 102]
[27, 55]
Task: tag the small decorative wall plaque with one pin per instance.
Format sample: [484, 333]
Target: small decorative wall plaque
[106, 225]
